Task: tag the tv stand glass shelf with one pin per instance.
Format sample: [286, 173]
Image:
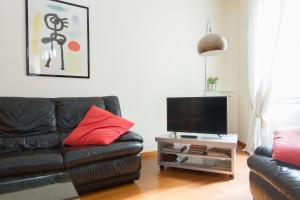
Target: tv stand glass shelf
[210, 153]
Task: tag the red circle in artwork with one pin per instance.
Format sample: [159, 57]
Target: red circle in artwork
[74, 46]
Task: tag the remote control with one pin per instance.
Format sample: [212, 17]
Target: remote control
[189, 136]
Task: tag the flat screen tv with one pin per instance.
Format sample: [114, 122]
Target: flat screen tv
[197, 115]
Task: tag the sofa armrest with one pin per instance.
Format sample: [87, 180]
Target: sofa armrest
[264, 151]
[131, 136]
[284, 178]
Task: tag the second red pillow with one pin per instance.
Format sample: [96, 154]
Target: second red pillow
[98, 127]
[286, 146]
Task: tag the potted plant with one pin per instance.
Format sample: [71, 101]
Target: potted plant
[212, 83]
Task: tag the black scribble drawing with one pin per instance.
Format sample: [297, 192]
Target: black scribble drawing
[56, 24]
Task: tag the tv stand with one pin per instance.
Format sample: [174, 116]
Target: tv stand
[206, 161]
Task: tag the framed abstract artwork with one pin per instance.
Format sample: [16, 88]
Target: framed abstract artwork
[57, 40]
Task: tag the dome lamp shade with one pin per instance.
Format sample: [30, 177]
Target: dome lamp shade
[212, 44]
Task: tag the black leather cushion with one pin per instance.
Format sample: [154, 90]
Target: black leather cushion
[26, 162]
[49, 140]
[284, 178]
[130, 136]
[112, 105]
[70, 111]
[264, 151]
[105, 169]
[26, 116]
[77, 156]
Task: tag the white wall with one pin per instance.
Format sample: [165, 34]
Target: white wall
[141, 51]
[244, 108]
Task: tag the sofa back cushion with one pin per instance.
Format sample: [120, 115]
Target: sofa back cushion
[37, 123]
[21, 116]
[70, 111]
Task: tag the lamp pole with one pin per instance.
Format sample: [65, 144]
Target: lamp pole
[208, 31]
[205, 82]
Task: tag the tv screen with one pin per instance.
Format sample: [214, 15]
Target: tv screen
[197, 115]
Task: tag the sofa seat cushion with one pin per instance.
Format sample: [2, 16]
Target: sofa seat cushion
[105, 170]
[18, 163]
[76, 156]
[283, 177]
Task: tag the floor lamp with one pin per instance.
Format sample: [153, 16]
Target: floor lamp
[211, 44]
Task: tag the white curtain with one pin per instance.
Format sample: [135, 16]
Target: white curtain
[265, 17]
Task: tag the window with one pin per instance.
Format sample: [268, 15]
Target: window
[286, 80]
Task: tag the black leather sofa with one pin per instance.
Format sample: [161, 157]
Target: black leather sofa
[31, 135]
[271, 179]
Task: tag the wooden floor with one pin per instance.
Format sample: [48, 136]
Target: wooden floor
[177, 184]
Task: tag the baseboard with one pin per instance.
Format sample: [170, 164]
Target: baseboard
[148, 154]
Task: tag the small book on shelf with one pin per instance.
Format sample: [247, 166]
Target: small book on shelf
[174, 149]
[218, 152]
[169, 157]
[197, 149]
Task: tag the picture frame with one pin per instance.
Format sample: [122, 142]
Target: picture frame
[57, 39]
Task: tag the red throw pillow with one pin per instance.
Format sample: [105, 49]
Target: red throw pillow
[286, 146]
[98, 127]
